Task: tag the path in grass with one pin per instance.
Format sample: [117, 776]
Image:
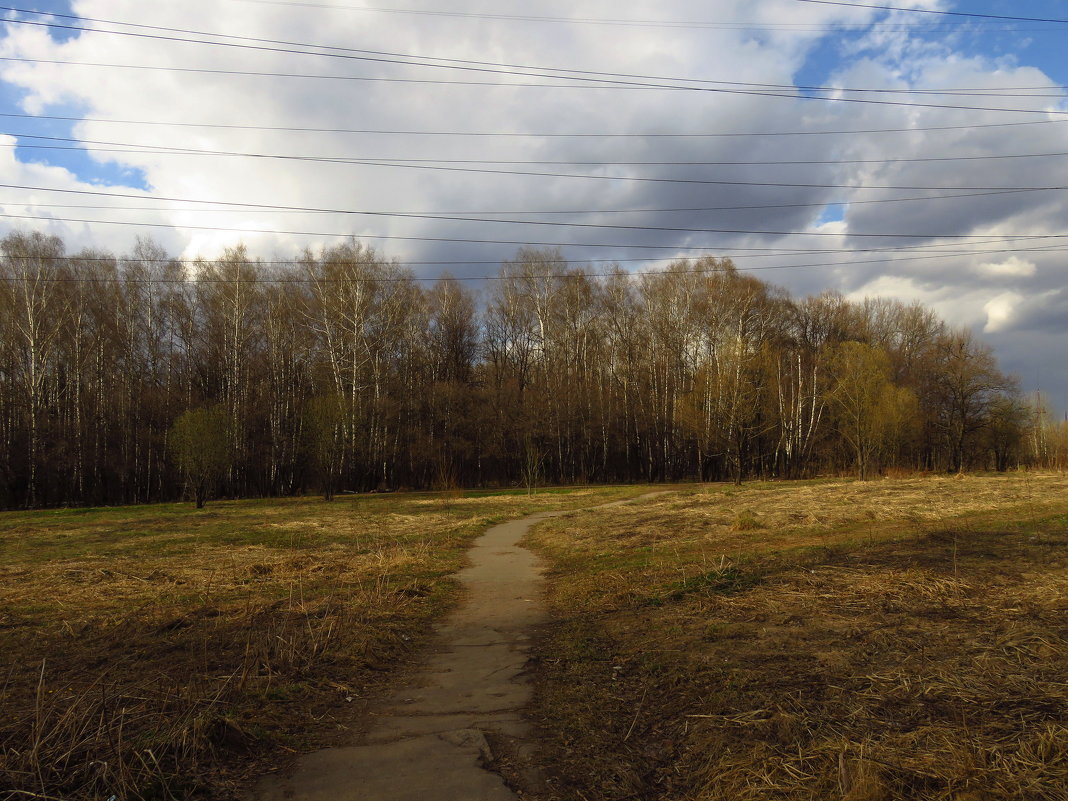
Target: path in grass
[461, 712]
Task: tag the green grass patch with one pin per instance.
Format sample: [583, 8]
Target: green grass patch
[727, 581]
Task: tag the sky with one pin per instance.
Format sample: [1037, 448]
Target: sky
[914, 149]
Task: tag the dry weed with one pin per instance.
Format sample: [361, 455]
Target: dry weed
[151, 652]
[889, 640]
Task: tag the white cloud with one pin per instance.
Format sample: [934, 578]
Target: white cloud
[949, 252]
[1012, 267]
[988, 310]
[112, 94]
[1001, 311]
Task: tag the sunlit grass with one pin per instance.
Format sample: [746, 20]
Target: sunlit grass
[892, 639]
[152, 651]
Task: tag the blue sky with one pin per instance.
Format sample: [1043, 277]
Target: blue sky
[1040, 45]
[76, 160]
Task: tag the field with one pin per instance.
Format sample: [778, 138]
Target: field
[894, 639]
[859, 641]
[161, 652]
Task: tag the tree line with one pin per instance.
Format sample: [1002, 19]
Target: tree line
[138, 378]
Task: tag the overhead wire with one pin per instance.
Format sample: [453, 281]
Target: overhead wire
[566, 212]
[752, 87]
[781, 185]
[320, 49]
[704, 181]
[89, 257]
[502, 276]
[685, 24]
[552, 223]
[969, 14]
[102, 146]
[532, 134]
[468, 65]
[443, 167]
[734, 250]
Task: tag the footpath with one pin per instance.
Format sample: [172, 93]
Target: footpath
[435, 738]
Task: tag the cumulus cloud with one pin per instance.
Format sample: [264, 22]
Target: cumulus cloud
[366, 95]
[863, 213]
[1001, 311]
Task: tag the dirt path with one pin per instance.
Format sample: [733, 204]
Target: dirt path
[431, 739]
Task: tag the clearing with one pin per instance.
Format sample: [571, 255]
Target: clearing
[860, 641]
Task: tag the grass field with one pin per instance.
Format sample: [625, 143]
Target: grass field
[161, 652]
[894, 639]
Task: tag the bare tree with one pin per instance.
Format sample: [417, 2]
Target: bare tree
[34, 302]
[339, 369]
[969, 384]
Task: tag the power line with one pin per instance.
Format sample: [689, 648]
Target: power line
[588, 76]
[458, 218]
[750, 252]
[366, 78]
[338, 235]
[700, 181]
[389, 163]
[333, 49]
[972, 15]
[395, 164]
[99, 146]
[687, 24]
[993, 190]
[81, 258]
[391, 279]
[772, 89]
[329, 51]
[136, 147]
[669, 229]
[567, 212]
[534, 135]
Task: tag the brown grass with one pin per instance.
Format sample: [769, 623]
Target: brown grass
[898, 639]
[162, 653]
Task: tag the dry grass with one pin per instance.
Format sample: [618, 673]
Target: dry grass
[158, 652]
[899, 639]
